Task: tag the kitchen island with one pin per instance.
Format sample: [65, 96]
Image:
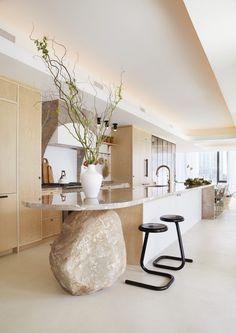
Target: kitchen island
[130, 207]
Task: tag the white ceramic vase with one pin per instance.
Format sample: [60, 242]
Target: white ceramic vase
[91, 181]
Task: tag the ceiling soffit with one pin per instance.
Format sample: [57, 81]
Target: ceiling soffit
[166, 69]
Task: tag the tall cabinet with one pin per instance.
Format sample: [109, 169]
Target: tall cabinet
[20, 165]
[8, 166]
[131, 157]
[137, 156]
[29, 162]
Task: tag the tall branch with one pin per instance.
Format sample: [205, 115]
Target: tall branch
[84, 122]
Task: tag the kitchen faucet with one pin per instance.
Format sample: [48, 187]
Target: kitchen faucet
[168, 169]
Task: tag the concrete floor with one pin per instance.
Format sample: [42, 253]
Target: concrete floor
[202, 298]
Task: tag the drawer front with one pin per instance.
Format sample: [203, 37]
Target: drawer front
[8, 222]
[47, 214]
[51, 226]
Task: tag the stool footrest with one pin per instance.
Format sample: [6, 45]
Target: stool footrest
[167, 275]
[149, 286]
[183, 260]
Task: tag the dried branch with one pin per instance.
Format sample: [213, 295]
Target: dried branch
[90, 137]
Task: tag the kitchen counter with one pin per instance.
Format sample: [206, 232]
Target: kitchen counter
[74, 199]
[105, 230]
[67, 187]
[138, 205]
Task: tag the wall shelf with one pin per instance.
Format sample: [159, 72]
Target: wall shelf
[109, 144]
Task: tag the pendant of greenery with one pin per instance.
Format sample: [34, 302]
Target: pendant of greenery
[86, 131]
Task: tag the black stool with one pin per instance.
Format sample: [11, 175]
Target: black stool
[175, 219]
[151, 228]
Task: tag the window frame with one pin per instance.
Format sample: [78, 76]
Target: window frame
[218, 169]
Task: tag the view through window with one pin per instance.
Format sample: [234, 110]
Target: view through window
[209, 165]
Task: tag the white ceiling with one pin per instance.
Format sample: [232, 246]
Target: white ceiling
[215, 24]
[178, 70]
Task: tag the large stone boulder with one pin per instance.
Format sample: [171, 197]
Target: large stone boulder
[89, 254]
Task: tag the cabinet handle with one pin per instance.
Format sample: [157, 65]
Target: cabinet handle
[146, 167]
[3, 196]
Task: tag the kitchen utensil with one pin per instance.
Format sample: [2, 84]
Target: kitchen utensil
[105, 169]
[50, 175]
[62, 179]
[45, 164]
[101, 161]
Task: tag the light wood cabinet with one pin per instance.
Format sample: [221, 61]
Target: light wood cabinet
[142, 154]
[8, 165]
[8, 130]
[29, 163]
[8, 90]
[51, 223]
[131, 158]
[20, 165]
[121, 156]
[8, 222]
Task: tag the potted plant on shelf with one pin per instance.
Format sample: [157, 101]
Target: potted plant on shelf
[85, 129]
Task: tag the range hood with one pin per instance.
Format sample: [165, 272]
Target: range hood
[62, 137]
[53, 132]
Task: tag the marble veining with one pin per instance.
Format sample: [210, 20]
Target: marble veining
[107, 199]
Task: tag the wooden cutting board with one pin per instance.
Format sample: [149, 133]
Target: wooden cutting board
[50, 174]
[105, 169]
[47, 174]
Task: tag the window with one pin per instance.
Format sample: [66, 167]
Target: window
[209, 165]
[222, 166]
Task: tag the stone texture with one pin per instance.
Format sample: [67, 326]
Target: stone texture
[51, 119]
[208, 202]
[90, 253]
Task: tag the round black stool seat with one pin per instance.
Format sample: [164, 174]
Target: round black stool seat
[153, 227]
[172, 218]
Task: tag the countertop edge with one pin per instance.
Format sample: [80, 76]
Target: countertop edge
[107, 206]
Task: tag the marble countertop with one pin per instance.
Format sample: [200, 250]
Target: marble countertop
[67, 187]
[107, 199]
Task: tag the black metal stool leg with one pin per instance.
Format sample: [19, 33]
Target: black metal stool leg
[182, 258]
[148, 286]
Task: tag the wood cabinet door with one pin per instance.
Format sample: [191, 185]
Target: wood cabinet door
[29, 163]
[141, 157]
[121, 161]
[8, 222]
[8, 90]
[8, 135]
[148, 158]
[51, 223]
